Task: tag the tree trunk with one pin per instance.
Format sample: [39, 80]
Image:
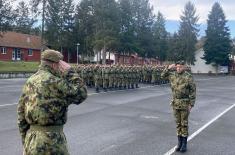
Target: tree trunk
[99, 56]
[109, 58]
[123, 57]
[68, 56]
[104, 55]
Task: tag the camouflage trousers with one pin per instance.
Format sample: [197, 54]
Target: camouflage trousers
[45, 142]
[181, 118]
[111, 82]
[105, 82]
[98, 82]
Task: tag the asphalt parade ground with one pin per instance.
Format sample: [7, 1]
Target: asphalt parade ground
[135, 122]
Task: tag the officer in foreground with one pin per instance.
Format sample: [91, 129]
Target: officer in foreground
[43, 105]
[183, 99]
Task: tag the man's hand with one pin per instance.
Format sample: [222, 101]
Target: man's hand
[171, 66]
[63, 66]
[189, 108]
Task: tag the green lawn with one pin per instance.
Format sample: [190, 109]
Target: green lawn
[18, 66]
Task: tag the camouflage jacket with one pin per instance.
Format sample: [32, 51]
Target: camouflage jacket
[46, 97]
[183, 88]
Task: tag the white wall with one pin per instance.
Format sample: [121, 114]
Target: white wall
[200, 64]
[112, 56]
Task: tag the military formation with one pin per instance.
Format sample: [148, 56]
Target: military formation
[43, 106]
[113, 77]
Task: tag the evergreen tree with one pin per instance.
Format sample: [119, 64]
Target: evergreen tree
[160, 37]
[127, 37]
[59, 24]
[218, 44]
[84, 27]
[106, 26]
[143, 22]
[6, 15]
[35, 7]
[23, 22]
[174, 48]
[188, 33]
[68, 24]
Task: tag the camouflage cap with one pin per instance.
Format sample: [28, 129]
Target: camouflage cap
[51, 55]
[182, 62]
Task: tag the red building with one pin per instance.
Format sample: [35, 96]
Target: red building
[17, 46]
[232, 67]
[135, 60]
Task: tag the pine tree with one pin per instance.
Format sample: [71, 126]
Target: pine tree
[6, 16]
[218, 44]
[188, 33]
[127, 38]
[143, 22]
[174, 48]
[23, 22]
[106, 26]
[84, 27]
[68, 24]
[160, 37]
[35, 7]
[59, 24]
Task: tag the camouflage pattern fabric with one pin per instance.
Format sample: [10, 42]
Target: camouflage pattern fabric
[42, 110]
[183, 96]
[181, 119]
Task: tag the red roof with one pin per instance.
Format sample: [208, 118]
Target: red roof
[19, 40]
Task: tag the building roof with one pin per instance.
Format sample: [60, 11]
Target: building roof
[19, 40]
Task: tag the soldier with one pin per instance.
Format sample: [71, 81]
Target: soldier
[43, 105]
[184, 94]
[97, 77]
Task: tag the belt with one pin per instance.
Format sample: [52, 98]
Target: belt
[181, 98]
[51, 128]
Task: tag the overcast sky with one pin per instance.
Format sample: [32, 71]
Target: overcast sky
[172, 9]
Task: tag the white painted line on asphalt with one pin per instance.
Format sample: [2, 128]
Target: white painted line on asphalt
[171, 151]
[4, 105]
[150, 117]
[204, 79]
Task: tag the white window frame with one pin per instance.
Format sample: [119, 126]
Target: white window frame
[31, 52]
[3, 50]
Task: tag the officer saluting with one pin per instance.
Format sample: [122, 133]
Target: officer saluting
[43, 105]
[183, 99]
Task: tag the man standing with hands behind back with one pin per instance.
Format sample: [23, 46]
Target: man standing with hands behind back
[43, 105]
[183, 99]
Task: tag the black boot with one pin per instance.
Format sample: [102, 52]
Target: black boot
[184, 145]
[136, 85]
[179, 144]
[97, 90]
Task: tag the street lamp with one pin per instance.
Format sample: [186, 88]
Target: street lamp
[77, 52]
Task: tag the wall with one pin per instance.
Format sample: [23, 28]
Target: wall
[7, 56]
[200, 65]
[24, 55]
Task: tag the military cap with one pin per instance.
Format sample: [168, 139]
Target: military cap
[51, 55]
[181, 62]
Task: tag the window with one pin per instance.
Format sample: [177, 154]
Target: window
[3, 50]
[30, 52]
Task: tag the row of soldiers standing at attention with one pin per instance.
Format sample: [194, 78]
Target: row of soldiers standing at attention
[109, 77]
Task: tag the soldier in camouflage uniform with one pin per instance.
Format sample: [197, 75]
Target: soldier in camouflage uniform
[97, 71]
[111, 77]
[43, 105]
[184, 94]
[105, 77]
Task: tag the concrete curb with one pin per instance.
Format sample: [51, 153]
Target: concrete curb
[15, 75]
